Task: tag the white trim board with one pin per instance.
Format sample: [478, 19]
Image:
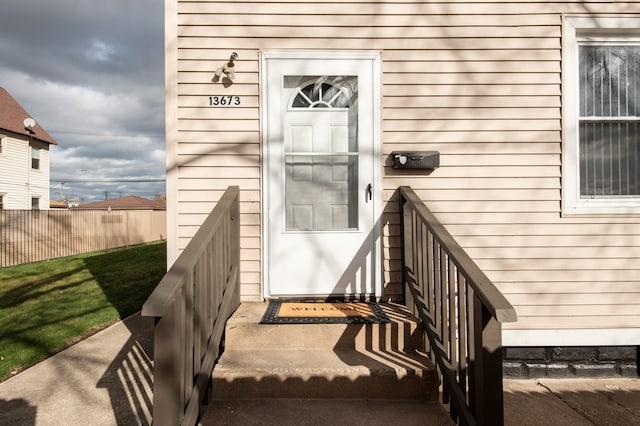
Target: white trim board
[575, 337]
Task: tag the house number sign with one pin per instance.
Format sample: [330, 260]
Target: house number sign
[224, 101]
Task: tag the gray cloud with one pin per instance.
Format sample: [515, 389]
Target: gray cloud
[91, 73]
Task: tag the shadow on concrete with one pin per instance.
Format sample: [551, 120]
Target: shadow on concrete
[584, 401]
[129, 378]
[20, 407]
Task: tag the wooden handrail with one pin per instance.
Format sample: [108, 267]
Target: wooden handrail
[461, 311]
[191, 306]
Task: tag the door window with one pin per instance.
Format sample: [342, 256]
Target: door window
[321, 153]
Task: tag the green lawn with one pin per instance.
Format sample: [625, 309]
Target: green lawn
[47, 306]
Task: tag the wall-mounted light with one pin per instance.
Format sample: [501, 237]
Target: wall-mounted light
[227, 70]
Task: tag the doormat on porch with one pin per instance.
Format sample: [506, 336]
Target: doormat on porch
[282, 312]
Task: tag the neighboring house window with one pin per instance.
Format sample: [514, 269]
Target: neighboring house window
[35, 158]
[602, 116]
[35, 203]
[3, 144]
[2, 201]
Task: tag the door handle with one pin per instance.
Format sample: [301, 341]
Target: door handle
[370, 192]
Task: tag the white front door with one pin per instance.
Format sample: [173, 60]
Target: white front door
[320, 188]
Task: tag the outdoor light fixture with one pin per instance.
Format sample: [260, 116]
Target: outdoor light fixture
[227, 70]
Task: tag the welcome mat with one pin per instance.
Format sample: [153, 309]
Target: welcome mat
[282, 312]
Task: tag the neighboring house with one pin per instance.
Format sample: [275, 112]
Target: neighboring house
[24, 158]
[130, 202]
[53, 204]
[534, 108]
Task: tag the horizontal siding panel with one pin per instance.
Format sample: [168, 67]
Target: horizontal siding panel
[313, 29]
[395, 179]
[199, 196]
[249, 68]
[530, 254]
[471, 90]
[553, 287]
[581, 310]
[573, 322]
[193, 221]
[567, 241]
[469, 77]
[480, 101]
[206, 75]
[469, 125]
[324, 43]
[483, 66]
[211, 113]
[550, 229]
[237, 148]
[611, 275]
[205, 182]
[251, 19]
[334, 7]
[216, 161]
[476, 148]
[221, 137]
[205, 207]
[464, 184]
[534, 219]
[417, 138]
[187, 172]
[557, 264]
[470, 113]
[488, 194]
[507, 160]
[496, 53]
[211, 89]
[563, 299]
[221, 125]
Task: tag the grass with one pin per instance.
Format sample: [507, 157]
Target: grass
[47, 306]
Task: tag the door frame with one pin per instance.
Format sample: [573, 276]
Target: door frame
[374, 58]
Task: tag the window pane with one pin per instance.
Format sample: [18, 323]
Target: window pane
[320, 193]
[609, 81]
[609, 159]
[609, 128]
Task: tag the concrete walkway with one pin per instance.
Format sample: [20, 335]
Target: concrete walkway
[107, 380]
[103, 380]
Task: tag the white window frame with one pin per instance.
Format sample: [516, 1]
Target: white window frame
[35, 150]
[578, 29]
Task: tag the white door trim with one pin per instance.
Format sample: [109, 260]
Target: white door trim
[374, 58]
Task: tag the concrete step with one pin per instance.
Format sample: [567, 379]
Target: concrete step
[244, 332]
[306, 412]
[328, 361]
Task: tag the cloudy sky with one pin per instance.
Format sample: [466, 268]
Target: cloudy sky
[91, 73]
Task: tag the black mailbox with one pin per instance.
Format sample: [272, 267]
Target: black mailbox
[416, 160]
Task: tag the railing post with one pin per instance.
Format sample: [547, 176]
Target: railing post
[166, 384]
[486, 402]
[406, 250]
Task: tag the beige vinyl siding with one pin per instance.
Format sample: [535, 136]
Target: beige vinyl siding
[478, 81]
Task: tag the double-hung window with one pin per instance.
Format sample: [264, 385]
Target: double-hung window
[601, 173]
[35, 158]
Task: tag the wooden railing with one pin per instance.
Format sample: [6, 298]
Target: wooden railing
[34, 235]
[461, 311]
[191, 305]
